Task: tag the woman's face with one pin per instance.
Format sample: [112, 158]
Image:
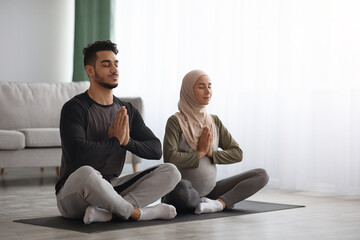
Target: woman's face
[202, 90]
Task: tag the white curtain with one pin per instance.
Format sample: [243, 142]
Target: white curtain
[285, 73]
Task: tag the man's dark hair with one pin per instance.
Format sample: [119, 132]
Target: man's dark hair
[92, 48]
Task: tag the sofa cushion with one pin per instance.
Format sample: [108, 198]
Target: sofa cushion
[41, 137]
[11, 140]
[35, 105]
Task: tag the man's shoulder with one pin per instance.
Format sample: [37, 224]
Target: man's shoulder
[80, 100]
[120, 101]
[128, 105]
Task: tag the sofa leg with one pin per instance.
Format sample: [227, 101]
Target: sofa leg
[135, 168]
[58, 171]
[1, 171]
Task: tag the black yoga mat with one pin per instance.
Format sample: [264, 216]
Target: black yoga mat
[242, 208]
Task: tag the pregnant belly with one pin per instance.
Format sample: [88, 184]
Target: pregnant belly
[203, 178]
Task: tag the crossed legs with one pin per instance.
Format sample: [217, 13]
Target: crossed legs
[225, 194]
[86, 188]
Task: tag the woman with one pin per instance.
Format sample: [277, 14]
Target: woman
[192, 141]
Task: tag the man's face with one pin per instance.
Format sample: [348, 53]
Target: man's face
[106, 69]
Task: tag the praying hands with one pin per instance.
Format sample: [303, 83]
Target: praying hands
[120, 127]
[204, 146]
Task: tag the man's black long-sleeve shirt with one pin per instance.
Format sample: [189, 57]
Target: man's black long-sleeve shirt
[84, 136]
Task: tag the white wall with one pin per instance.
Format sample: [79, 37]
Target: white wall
[36, 42]
[285, 77]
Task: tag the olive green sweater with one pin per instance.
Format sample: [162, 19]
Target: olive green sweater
[229, 152]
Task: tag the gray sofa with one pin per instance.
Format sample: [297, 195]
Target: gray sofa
[29, 123]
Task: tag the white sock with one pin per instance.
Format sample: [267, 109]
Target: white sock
[159, 211]
[209, 206]
[95, 214]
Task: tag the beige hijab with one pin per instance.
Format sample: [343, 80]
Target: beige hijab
[192, 116]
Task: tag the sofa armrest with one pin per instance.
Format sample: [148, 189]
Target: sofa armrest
[11, 140]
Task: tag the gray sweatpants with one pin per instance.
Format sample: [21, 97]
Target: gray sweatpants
[86, 187]
[231, 190]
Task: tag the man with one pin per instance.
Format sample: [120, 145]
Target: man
[96, 129]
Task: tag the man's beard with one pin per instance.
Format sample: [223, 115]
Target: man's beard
[101, 82]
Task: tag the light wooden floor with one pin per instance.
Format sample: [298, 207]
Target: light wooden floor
[27, 193]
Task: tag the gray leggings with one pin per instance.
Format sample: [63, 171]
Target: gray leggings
[231, 190]
[86, 187]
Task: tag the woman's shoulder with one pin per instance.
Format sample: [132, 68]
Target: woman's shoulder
[173, 121]
[173, 125]
[173, 118]
[217, 120]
